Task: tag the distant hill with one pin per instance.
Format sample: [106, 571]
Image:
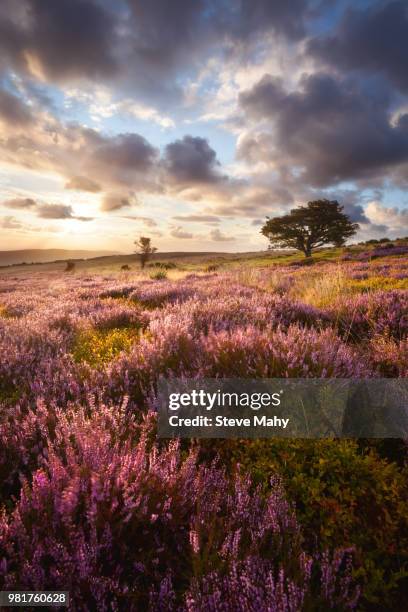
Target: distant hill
[8, 258]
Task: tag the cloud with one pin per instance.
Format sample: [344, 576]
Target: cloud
[255, 198]
[146, 220]
[178, 232]
[82, 183]
[392, 217]
[58, 211]
[104, 108]
[54, 211]
[44, 210]
[128, 151]
[169, 39]
[217, 236]
[20, 203]
[13, 110]
[198, 218]
[139, 47]
[191, 161]
[86, 158]
[115, 201]
[373, 40]
[10, 223]
[329, 130]
[257, 16]
[125, 159]
[59, 40]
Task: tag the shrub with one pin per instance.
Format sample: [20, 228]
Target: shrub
[389, 356]
[347, 495]
[113, 521]
[299, 353]
[377, 283]
[367, 315]
[96, 347]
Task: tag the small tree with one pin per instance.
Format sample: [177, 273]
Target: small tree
[145, 249]
[308, 227]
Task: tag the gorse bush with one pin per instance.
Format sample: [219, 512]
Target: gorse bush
[96, 347]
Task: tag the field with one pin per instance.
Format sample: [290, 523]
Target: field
[90, 502]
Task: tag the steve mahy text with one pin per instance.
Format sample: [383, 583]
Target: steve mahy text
[257, 421]
[264, 421]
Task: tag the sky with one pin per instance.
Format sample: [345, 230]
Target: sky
[190, 121]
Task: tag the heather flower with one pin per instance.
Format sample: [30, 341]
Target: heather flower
[366, 315]
[113, 519]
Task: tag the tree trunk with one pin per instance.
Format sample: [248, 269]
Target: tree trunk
[308, 252]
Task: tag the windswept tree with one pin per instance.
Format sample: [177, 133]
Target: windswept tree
[144, 249]
[308, 227]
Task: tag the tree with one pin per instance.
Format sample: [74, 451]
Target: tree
[308, 227]
[145, 249]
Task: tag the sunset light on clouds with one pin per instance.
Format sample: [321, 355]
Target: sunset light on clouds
[190, 122]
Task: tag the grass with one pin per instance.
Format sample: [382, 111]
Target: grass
[321, 289]
[378, 283]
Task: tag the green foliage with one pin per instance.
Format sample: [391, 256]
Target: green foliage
[97, 347]
[348, 495]
[308, 227]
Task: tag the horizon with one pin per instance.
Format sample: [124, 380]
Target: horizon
[191, 123]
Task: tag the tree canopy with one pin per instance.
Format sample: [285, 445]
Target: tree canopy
[308, 227]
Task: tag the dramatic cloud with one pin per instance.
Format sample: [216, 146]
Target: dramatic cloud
[127, 159]
[165, 38]
[82, 183]
[329, 130]
[255, 16]
[13, 110]
[59, 40]
[190, 161]
[372, 39]
[127, 151]
[271, 104]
